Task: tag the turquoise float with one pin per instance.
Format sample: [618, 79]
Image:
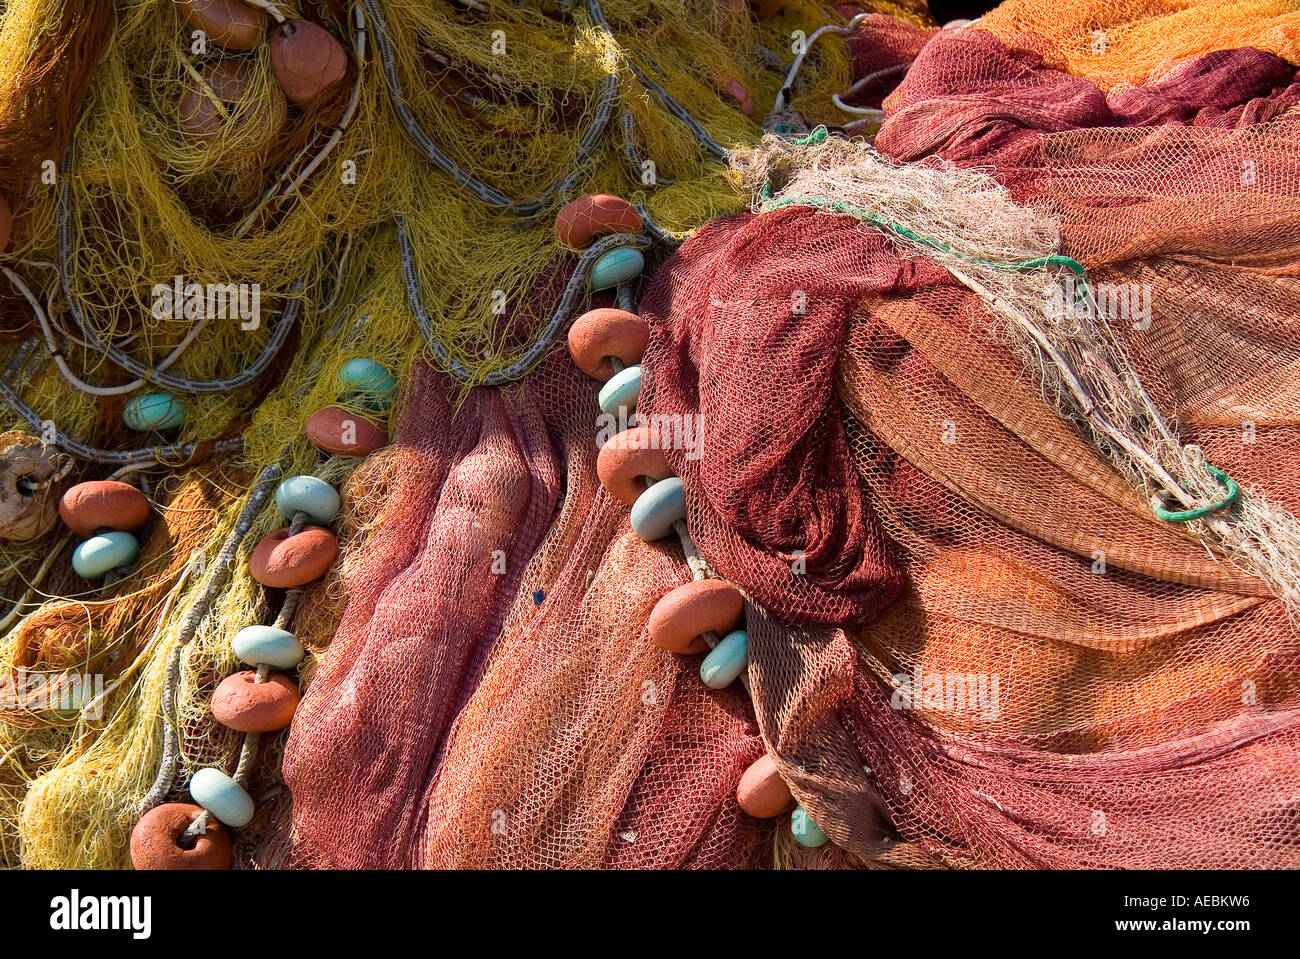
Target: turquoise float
[727, 660]
[806, 832]
[310, 495]
[365, 382]
[617, 266]
[222, 796]
[94, 558]
[154, 411]
[267, 646]
[619, 395]
[658, 508]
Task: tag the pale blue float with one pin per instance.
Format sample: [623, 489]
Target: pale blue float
[222, 796]
[726, 661]
[806, 832]
[617, 266]
[658, 508]
[313, 496]
[267, 646]
[94, 558]
[619, 395]
[368, 383]
[154, 411]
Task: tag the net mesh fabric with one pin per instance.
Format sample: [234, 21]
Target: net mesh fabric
[422, 594]
[1117, 43]
[578, 744]
[883, 479]
[1143, 716]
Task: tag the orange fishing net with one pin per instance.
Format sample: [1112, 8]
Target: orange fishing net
[1115, 43]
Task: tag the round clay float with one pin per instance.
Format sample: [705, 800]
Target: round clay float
[267, 646]
[222, 796]
[762, 792]
[658, 509]
[282, 561]
[307, 494]
[156, 840]
[6, 223]
[154, 411]
[627, 461]
[587, 217]
[306, 59]
[337, 431]
[225, 22]
[617, 266]
[736, 90]
[693, 608]
[103, 504]
[244, 704]
[96, 557]
[29, 503]
[599, 334]
[246, 131]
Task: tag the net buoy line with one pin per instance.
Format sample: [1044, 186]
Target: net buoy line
[181, 455]
[492, 197]
[550, 335]
[178, 453]
[218, 572]
[487, 194]
[288, 317]
[586, 145]
[279, 192]
[627, 123]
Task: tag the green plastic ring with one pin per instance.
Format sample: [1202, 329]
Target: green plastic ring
[1200, 512]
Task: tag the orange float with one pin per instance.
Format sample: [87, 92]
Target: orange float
[282, 561]
[762, 793]
[103, 504]
[156, 838]
[244, 704]
[683, 614]
[306, 60]
[225, 22]
[588, 216]
[338, 431]
[597, 335]
[628, 460]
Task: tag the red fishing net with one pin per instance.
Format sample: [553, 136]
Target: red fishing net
[972, 643]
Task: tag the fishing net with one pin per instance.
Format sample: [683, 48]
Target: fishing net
[110, 196]
[972, 641]
[1119, 44]
[895, 469]
[1121, 693]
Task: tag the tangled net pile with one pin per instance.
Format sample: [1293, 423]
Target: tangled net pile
[932, 450]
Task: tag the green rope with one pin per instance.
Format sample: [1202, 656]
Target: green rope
[861, 213]
[817, 136]
[1232, 491]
